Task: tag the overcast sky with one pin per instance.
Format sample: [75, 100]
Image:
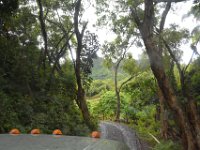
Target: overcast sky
[173, 17]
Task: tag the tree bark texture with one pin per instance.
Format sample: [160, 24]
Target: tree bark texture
[168, 93]
[191, 107]
[117, 94]
[146, 30]
[80, 100]
[163, 116]
[117, 90]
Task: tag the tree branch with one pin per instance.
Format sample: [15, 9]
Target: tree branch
[76, 14]
[162, 23]
[164, 15]
[43, 30]
[172, 55]
[184, 70]
[147, 26]
[136, 17]
[129, 79]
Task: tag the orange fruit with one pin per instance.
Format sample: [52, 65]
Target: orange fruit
[95, 134]
[35, 131]
[57, 132]
[14, 131]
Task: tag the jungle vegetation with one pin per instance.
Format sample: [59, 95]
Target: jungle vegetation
[51, 76]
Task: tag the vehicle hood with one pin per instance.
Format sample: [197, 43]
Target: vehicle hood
[55, 142]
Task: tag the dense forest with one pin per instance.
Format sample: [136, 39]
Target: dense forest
[51, 76]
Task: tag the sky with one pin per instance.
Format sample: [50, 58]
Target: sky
[188, 23]
[176, 17]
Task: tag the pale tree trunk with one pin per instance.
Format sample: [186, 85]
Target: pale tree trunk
[146, 30]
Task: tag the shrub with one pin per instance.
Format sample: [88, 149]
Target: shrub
[167, 145]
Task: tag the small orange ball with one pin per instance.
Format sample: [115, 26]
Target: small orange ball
[95, 134]
[14, 131]
[57, 132]
[35, 131]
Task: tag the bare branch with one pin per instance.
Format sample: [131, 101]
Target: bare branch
[76, 22]
[43, 30]
[184, 70]
[129, 79]
[164, 15]
[172, 55]
[162, 23]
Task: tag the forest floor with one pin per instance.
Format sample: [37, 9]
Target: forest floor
[122, 133]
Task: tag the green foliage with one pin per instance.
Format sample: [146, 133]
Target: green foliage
[142, 105]
[107, 105]
[146, 122]
[8, 7]
[46, 111]
[99, 86]
[195, 11]
[33, 96]
[167, 145]
[105, 108]
[130, 65]
[193, 78]
[142, 90]
[174, 35]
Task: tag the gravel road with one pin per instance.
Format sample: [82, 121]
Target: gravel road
[121, 133]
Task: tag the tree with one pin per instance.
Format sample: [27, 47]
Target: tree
[115, 53]
[45, 94]
[146, 30]
[8, 7]
[69, 37]
[145, 20]
[79, 63]
[195, 11]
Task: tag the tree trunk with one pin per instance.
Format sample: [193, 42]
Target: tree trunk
[191, 108]
[118, 106]
[44, 35]
[84, 110]
[192, 112]
[80, 100]
[168, 93]
[146, 30]
[117, 93]
[193, 118]
[163, 116]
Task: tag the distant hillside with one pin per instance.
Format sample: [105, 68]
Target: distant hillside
[100, 72]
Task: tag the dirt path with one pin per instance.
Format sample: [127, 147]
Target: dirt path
[121, 133]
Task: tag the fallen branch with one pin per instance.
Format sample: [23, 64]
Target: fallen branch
[154, 138]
